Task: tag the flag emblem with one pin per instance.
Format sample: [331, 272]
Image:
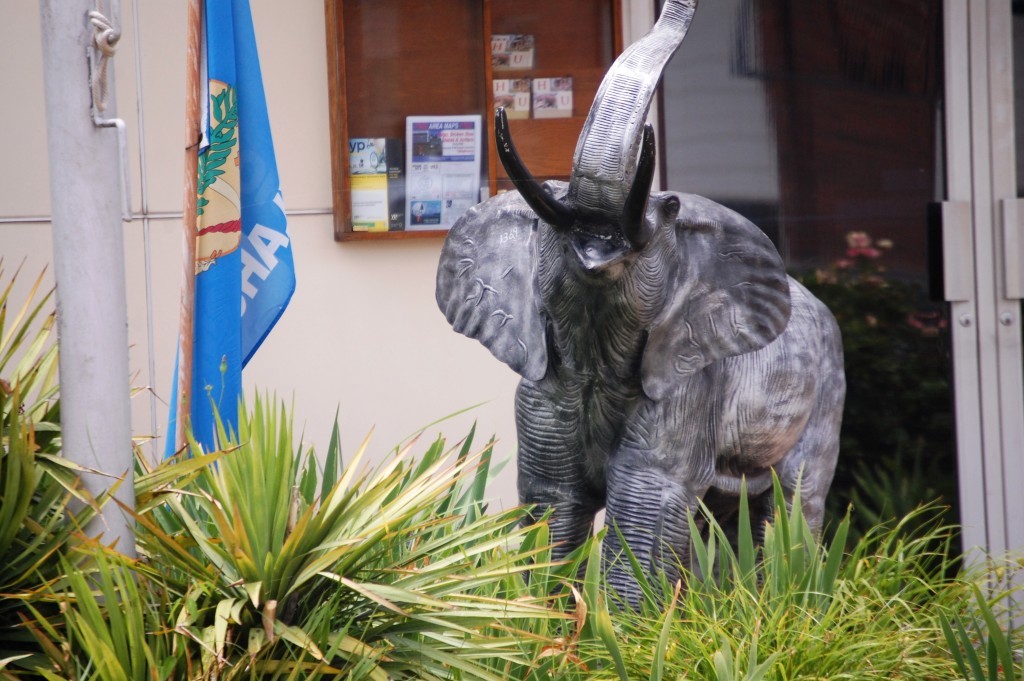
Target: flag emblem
[219, 205]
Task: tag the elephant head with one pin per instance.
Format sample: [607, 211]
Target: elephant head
[613, 165]
[716, 282]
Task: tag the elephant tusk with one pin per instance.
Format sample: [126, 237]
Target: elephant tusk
[548, 208]
[634, 227]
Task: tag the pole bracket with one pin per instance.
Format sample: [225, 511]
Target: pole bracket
[104, 44]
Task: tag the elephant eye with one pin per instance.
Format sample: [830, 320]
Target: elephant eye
[670, 207]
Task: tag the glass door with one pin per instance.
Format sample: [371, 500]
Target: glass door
[822, 121]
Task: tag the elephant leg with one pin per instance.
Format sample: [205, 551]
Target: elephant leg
[811, 464]
[724, 507]
[553, 475]
[762, 512]
[648, 510]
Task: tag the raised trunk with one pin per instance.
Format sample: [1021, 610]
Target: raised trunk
[605, 162]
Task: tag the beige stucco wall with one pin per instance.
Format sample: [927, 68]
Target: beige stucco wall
[362, 335]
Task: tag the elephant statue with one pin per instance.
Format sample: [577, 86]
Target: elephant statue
[665, 354]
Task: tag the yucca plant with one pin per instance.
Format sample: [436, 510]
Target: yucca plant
[36, 485]
[286, 571]
[117, 622]
[796, 608]
[28, 355]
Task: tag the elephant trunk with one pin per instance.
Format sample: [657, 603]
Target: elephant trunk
[613, 166]
[605, 165]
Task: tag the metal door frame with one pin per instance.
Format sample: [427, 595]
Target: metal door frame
[982, 265]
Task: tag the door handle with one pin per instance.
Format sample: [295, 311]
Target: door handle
[1013, 248]
[950, 251]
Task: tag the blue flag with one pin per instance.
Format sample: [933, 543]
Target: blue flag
[244, 270]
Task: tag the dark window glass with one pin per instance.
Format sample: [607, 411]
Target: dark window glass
[821, 121]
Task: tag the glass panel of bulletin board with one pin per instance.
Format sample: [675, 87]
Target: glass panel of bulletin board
[389, 60]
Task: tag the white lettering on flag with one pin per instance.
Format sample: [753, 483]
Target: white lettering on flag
[262, 260]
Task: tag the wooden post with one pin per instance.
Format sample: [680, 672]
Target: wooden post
[193, 137]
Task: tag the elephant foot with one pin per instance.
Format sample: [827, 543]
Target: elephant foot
[570, 513]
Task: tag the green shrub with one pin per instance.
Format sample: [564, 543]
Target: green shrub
[982, 650]
[795, 609]
[897, 447]
[36, 485]
[255, 563]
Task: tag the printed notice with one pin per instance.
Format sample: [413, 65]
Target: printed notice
[510, 52]
[512, 95]
[376, 177]
[442, 169]
[552, 97]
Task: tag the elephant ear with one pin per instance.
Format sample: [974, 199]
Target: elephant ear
[487, 282]
[730, 295]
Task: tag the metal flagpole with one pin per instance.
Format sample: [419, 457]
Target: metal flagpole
[87, 201]
[193, 137]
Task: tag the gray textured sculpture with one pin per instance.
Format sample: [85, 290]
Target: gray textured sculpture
[665, 354]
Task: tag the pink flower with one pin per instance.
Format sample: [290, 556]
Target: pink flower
[858, 240]
[866, 252]
[824, 276]
[928, 323]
